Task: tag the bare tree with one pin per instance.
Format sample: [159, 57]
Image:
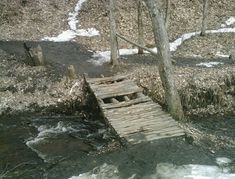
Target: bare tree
[113, 32]
[168, 11]
[140, 26]
[204, 17]
[165, 66]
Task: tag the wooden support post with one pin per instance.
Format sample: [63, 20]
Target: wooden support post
[113, 32]
[71, 74]
[34, 55]
[139, 95]
[168, 11]
[140, 26]
[204, 17]
[126, 98]
[113, 100]
[165, 66]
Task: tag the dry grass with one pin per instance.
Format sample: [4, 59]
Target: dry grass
[203, 91]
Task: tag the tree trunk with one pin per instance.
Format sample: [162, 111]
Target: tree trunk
[204, 17]
[113, 37]
[168, 11]
[165, 66]
[140, 26]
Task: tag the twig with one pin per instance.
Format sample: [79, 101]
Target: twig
[12, 169]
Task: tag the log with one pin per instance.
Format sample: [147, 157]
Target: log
[137, 45]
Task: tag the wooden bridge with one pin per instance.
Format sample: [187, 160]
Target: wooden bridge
[132, 115]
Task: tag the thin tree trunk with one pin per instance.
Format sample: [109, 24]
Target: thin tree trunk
[165, 66]
[168, 11]
[113, 37]
[204, 17]
[140, 26]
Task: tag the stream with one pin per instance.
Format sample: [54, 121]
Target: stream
[47, 146]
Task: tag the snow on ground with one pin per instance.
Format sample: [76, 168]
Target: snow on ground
[219, 54]
[72, 32]
[209, 64]
[101, 57]
[229, 22]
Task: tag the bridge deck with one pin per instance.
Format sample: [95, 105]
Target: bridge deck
[132, 115]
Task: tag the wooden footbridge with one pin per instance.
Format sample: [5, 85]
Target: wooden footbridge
[132, 115]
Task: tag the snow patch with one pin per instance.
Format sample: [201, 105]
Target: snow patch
[90, 32]
[101, 57]
[174, 45]
[72, 19]
[219, 54]
[230, 21]
[209, 64]
[70, 34]
[63, 37]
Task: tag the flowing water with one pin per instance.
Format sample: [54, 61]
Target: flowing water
[39, 146]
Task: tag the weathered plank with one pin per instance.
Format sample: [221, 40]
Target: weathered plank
[105, 86]
[126, 103]
[106, 79]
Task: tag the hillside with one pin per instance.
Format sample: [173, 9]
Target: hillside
[34, 20]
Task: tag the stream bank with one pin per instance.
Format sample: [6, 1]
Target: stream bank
[42, 136]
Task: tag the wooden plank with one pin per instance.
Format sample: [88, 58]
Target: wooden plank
[155, 137]
[140, 106]
[148, 120]
[105, 86]
[142, 119]
[133, 139]
[126, 103]
[119, 91]
[134, 112]
[106, 79]
[155, 134]
[148, 129]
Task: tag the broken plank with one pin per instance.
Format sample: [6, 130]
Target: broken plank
[126, 103]
[117, 92]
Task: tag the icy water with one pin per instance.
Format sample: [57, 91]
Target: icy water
[35, 146]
